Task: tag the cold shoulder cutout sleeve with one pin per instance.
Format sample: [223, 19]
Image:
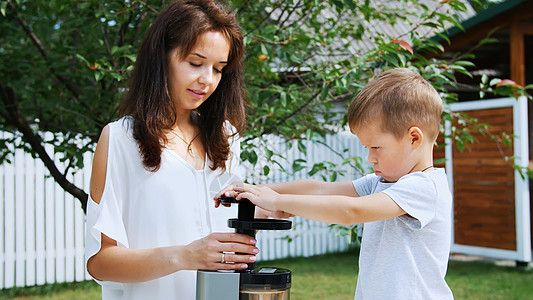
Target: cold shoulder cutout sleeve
[106, 217]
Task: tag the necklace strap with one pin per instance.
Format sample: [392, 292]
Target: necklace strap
[179, 136]
[189, 144]
[427, 168]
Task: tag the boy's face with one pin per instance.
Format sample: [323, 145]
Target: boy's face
[392, 157]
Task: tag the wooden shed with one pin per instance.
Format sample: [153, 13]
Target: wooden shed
[492, 203]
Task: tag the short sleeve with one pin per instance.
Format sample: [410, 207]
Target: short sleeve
[106, 217]
[365, 185]
[416, 194]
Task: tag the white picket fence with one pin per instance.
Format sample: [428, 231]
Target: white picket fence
[42, 228]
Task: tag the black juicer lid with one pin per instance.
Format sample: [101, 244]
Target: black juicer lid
[266, 278]
[246, 220]
[260, 224]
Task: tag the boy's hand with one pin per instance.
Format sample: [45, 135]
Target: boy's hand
[263, 197]
[228, 191]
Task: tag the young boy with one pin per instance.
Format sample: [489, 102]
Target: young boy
[405, 205]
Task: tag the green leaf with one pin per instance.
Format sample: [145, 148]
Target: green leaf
[301, 147]
[249, 155]
[266, 170]
[264, 50]
[444, 37]
[269, 153]
[116, 76]
[316, 168]
[465, 63]
[296, 59]
[487, 41]
[350, 4]
[116, 49]
[298, 165]
[3, 6]
[440, 161]
[98, 75]
[80, 57]
[283, 98]
[432, 25]
[484, 79]
[494, 81]
[333, 177]
[270, 29]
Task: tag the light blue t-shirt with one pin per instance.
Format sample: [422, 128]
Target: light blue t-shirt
[406, 257]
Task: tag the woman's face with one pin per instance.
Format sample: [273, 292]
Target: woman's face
[192, 79]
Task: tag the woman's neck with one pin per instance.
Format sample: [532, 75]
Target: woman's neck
[185, 122]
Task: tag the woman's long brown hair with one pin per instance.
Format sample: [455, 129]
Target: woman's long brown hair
[148, 100]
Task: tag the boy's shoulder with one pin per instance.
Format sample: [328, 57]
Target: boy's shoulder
[371, 183]
[434, 174]
[429, 181]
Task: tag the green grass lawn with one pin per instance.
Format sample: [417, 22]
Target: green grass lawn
[333, 277]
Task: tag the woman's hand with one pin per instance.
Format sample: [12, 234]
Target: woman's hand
[217, 251]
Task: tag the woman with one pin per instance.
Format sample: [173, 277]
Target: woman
[151, 221]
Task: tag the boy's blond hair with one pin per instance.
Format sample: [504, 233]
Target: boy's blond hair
[400, 99]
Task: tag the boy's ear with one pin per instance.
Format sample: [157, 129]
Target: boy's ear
[416, 136]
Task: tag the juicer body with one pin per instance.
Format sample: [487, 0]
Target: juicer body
[254, 283]
[217, 285]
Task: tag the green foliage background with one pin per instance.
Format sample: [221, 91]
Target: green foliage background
[64, 66]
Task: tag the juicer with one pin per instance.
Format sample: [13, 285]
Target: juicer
[254, 283]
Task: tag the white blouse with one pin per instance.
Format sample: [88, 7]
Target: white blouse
[142, 209]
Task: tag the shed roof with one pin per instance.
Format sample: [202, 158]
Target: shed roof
[512, 19]
[485, 15]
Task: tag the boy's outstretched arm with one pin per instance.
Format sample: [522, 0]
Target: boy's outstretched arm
[336, 209]
[297, 187]
[314, 187]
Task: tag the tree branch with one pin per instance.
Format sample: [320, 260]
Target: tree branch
[419, 24]
[37, 42]
[15, 118]
[260, 24]
[290, 13]
[149, 7]
[293, 113]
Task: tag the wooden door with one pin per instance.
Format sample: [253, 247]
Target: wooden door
[491, 215]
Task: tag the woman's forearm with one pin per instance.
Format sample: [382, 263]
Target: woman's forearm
[121, 264]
